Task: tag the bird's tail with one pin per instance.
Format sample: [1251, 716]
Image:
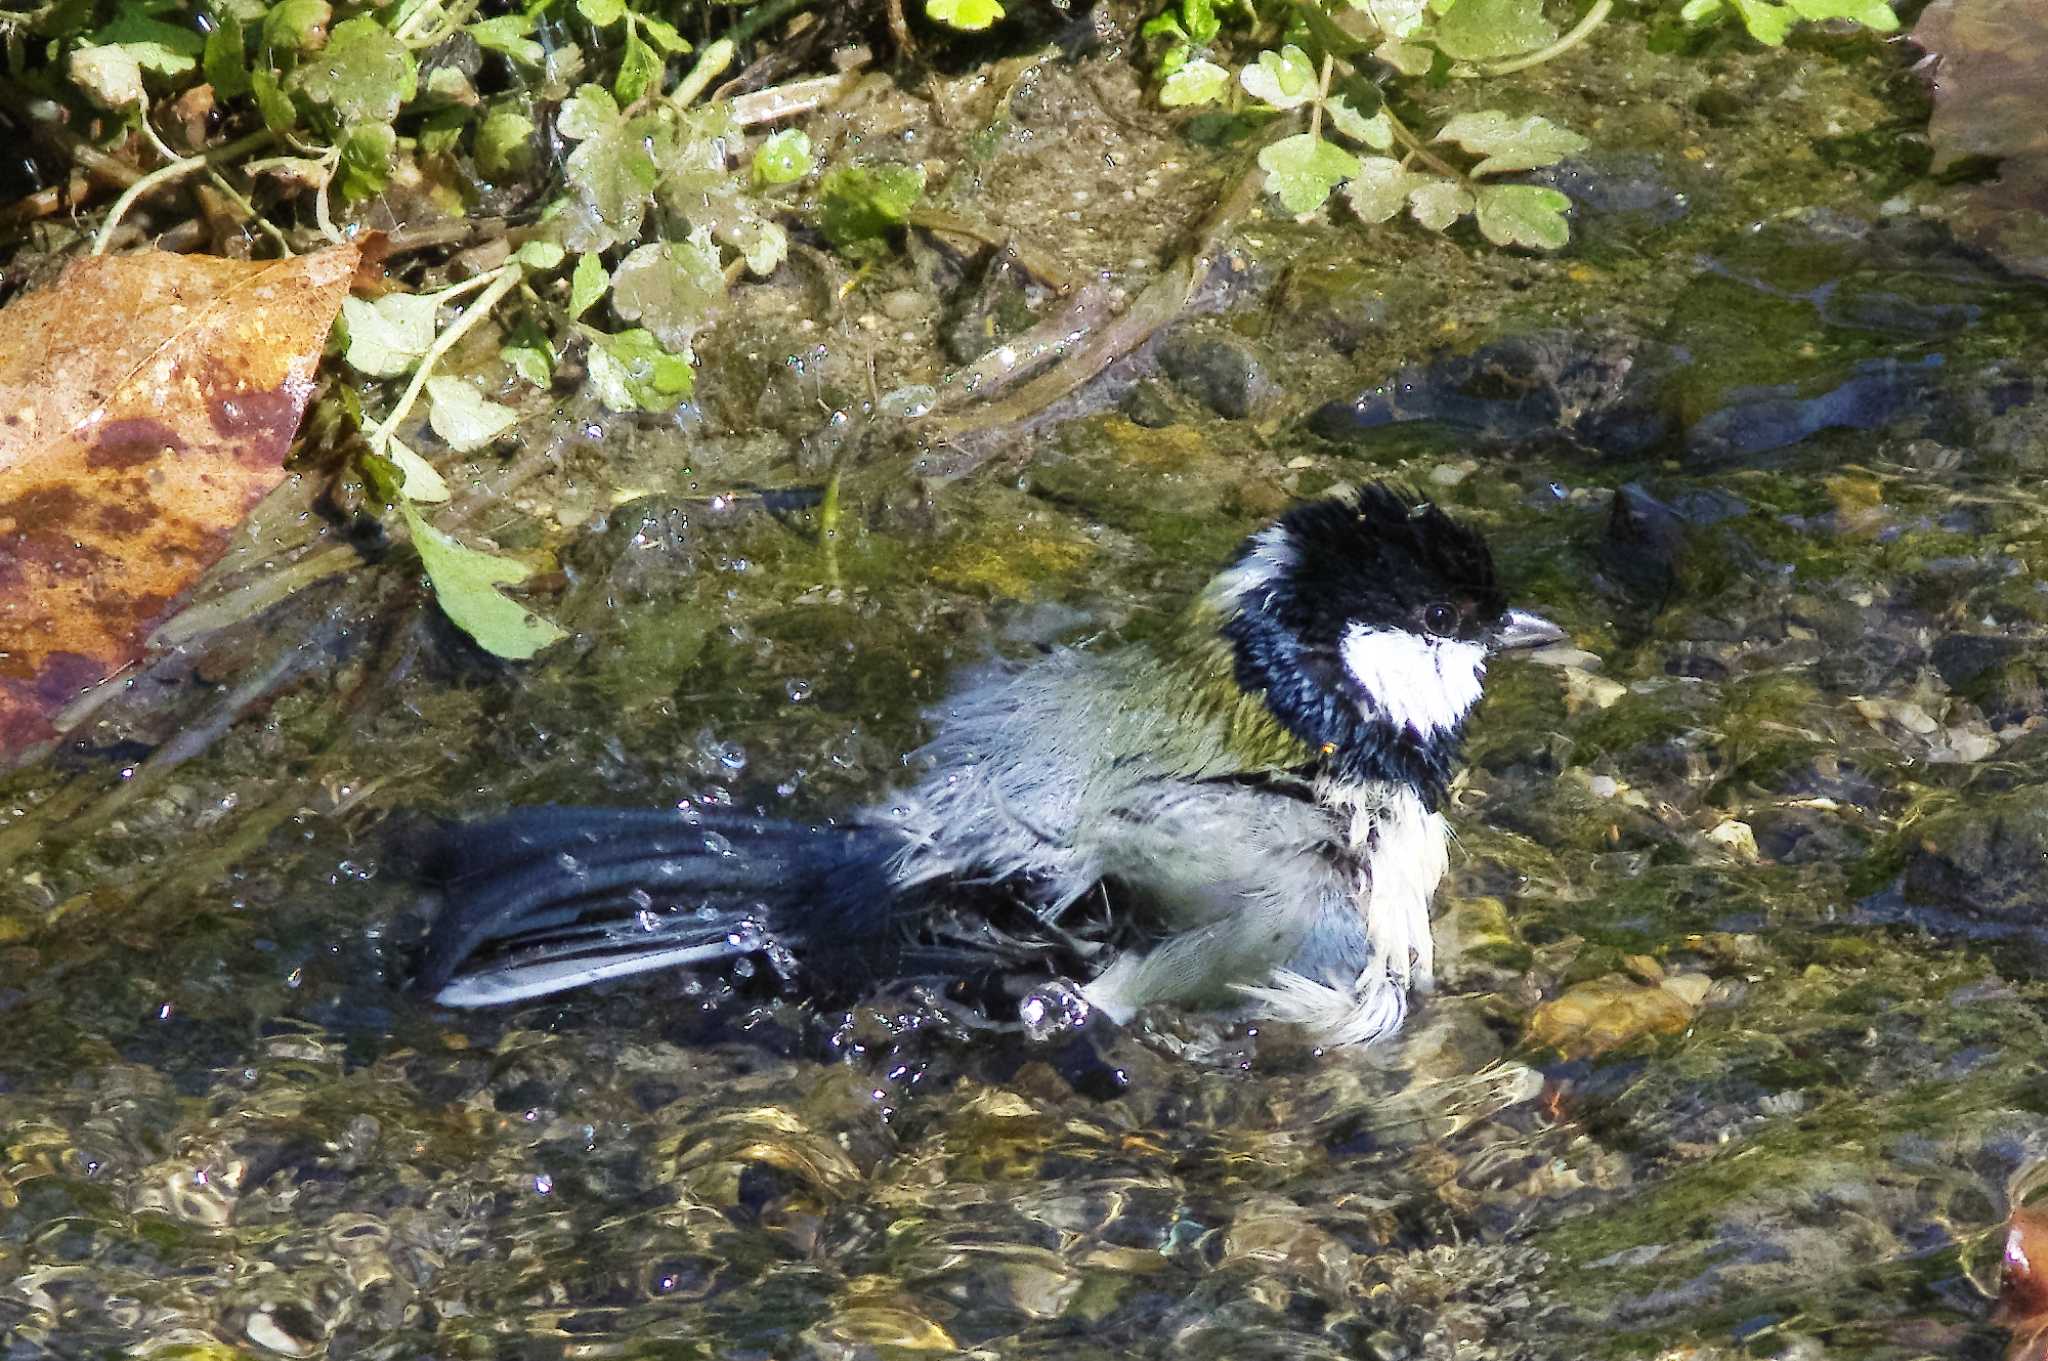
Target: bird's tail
[546, 899]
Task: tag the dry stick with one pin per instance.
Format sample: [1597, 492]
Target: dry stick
[1034, 262]
[507, 279]
[245, 602]
[778, 102]
[252, 689]
[1023, 355]
[1161, 301]
[176, 170]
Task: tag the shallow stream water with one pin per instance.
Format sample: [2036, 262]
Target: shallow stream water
[1738, 1044]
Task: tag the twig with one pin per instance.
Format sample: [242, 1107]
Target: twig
[1161, 301]
[176, 170]
[1033, 261]
[778, 102]
[259, 595]
[1418, 150]
[1023, 355]
[502, 282]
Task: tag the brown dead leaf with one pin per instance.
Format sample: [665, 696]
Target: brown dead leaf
[146, 404]
[1988, 68]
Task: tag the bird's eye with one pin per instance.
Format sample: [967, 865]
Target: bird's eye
[1440, 619]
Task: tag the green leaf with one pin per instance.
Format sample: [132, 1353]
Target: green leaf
[1302, 170]
[1396, 18]
[1381, 188]
[663, 35]
[639, 67]
[611, 170]
[464, 417]
[157, 46]
[441, 131]
[862, 202]
[1697, 11]
[1325, 34]
[783, 158]
[1523, 215]
[1285, 79]
[1767, 23]
[1165, 24]
[291, 24]
[603, 13]
[590, 112]
[391, 335]
[587, 283]
[364, 73]
[1872, 14]
[971, 15]
[530, 354]
[1196, 82]
[368, 152]
[508, 35]
[226, 60]
[1410, 59]
[110, 75]
[1439, 203]
[418, 480]
[1376, 132]
[504, 144]
[1483, 30]
[761, 243]
[630, 371]
[1200, 18]
[670, 287]
[539, 256]
[448, 85]
[1510, 144]
[466, 584]
[280, 115]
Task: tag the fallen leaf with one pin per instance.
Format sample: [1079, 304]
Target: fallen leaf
[146, 404]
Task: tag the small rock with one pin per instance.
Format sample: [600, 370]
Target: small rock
[1985, 860]
[1643, 544]
[1736, 838]
[1150, 404]
[1603, 393]
[905, 304]
[1593, 1017]
[1215, 368]
[1583, 690]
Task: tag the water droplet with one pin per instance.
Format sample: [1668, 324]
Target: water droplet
[797, 690]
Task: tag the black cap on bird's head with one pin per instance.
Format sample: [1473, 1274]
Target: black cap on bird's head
[1366, 618]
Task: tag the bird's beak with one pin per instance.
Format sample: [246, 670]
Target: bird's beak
[1519, 630]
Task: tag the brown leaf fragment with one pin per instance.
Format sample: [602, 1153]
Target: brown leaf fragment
[1987, 66]
[146, 404]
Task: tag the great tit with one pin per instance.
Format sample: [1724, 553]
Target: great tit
[1242, 814]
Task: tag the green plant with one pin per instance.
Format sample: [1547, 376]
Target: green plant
[1336, 63]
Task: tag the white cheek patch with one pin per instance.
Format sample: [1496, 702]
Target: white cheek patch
[1271, 557]
[1428, 684]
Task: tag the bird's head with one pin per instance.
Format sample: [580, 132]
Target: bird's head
[1366, 619]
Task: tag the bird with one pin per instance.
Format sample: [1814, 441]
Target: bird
[1241, 815]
